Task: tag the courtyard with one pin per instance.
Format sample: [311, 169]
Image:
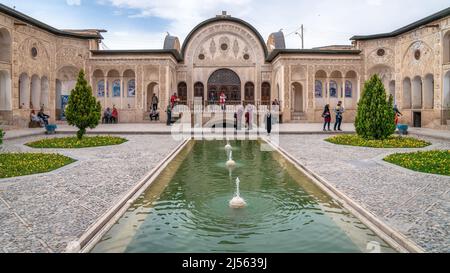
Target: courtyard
[45, 212]
[222, 132]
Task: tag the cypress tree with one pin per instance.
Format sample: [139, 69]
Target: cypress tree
[83, 110]
[2, 134]
[376, 117]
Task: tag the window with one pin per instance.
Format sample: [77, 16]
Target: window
[348, 89]
[131, 88]
[249, 91]
[116, 88]
[381, 52]
[101, 88]
[265, 92]
[182, 92]
[319, 89]
[199, 90]
[34, 52]
[333, 89]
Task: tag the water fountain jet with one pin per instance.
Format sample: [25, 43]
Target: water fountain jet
[231, 163]
[237, 202]
[228, 147]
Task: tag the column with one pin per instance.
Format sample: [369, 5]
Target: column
[314, 92]
[343, 92]
[106, 92]
[122, 91]
[358, 92]
[327, 90]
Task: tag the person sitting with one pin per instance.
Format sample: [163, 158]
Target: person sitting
[154, 115]
[115, 115]
[44, 117]
[107, 116]
[35, 121]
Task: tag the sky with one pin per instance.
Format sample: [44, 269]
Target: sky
[143, 24]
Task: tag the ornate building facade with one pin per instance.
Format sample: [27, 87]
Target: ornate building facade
[39, 66]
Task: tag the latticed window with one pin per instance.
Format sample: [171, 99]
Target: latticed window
[348, 89]
[131, 88]
[226, 81]
[249, 91]
[319, 89]
[182, 91]
[116, 88]
[224, 77]
[101, 88]
[199, 90]
[333, 89]
[265, 92]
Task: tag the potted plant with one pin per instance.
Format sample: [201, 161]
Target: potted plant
[403, 129]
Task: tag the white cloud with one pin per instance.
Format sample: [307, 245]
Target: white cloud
[375, 2]
[73, 2]
[134, 39]
[326, 21]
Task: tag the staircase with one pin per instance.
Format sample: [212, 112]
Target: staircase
[298, 117]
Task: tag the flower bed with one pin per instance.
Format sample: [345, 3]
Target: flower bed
[74, 143]
[391, 142]
[435, 162]
[20, 164]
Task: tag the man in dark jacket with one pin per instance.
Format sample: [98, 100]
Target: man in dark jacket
[155, 102]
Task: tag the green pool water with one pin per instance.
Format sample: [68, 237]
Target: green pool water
[187, 209]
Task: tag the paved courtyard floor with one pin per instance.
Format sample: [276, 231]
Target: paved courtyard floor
[42, 213]
[416, 204]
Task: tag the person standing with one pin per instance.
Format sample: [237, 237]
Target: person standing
[222, 99]
[115, 115]
[155, 102]
[107, 116]
[250, 117]
[398, 114]
[247, 120]
[327, 117]
[269, 122]
[173, 100]
[240, 114]
[212, 98]
[339, 111]
[169, 114]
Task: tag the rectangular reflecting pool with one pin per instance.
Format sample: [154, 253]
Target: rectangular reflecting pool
[186, 209]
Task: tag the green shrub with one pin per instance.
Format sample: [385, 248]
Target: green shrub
[83, 110]
[2, 134]
[376, 117]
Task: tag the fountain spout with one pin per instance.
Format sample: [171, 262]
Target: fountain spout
[228, 147]
[237, 202]
[231, 163]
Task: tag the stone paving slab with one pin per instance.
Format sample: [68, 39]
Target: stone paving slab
[416, 204]
[162, 129]
[44, 212]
